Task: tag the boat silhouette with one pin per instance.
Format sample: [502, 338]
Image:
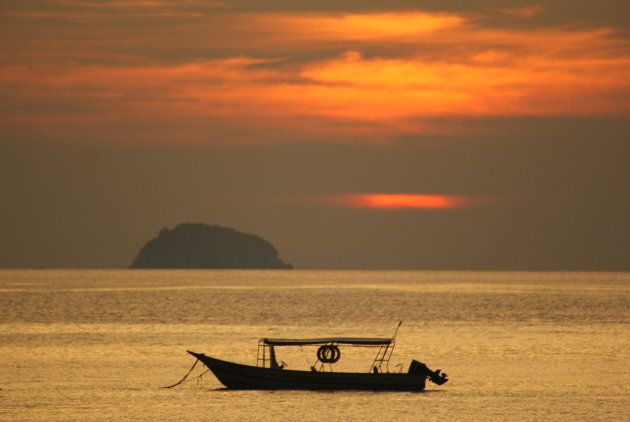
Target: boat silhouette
[269, 374]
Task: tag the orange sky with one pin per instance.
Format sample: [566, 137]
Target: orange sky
[330, 77]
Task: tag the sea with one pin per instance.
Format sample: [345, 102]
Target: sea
[99, 345]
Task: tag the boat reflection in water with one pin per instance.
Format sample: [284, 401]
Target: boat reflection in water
[268, 374]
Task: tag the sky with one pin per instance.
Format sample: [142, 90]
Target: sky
[449, 135]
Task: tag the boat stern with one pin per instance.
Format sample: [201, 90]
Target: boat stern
[436, 377]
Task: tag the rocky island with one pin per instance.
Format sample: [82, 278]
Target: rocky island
[208, 246]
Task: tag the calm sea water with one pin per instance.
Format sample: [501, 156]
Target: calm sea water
[97, 345]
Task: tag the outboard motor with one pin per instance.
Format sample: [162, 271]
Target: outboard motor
[420, 368]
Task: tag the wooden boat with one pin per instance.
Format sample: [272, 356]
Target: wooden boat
[268, 374]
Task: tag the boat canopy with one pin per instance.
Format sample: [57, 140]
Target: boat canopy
[338, 340]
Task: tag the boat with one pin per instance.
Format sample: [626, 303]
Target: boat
[268, 374]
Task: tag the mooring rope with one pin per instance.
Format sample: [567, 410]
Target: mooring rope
[183, 380]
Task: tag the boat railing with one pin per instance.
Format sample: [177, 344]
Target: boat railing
[262, 356]
[266, 356]
[381, 360]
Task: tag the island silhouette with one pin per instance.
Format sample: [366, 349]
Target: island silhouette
[197, 245]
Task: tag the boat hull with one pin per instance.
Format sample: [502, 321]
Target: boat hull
[238, 376]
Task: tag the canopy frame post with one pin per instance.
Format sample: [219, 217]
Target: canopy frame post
[266, 355]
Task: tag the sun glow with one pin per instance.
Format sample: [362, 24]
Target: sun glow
[388, 201]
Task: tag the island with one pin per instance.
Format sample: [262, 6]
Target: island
[197, 245]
